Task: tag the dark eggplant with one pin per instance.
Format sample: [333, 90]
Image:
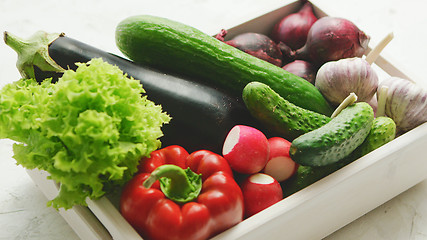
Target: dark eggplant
[201, 115]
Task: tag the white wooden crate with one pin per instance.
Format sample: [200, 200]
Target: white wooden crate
[320, 208]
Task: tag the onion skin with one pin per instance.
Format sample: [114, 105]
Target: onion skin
[257, 45]
[331, 39]
[302, 69]
[292, 30]
[337, 79]
[406, 103]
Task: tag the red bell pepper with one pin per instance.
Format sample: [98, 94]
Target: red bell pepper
[174, 154]
[182, 196]
[207, 162]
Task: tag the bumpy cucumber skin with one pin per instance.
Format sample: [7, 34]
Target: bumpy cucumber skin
[383, 130]
[278, 114]
[334, 140]
[176, 47]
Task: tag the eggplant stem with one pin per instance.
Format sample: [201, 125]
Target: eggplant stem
[33, 52]
[374, 53]
[14, 42]
[382, 97]
[352, 97]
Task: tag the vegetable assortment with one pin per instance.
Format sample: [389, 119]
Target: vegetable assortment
[199, 110]
[199, 145]
[172, 46]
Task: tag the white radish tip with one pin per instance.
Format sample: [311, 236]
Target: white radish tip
[280, 168]
[261, 178]
[231, 140]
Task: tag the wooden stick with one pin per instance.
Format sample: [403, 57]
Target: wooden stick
[373, 55]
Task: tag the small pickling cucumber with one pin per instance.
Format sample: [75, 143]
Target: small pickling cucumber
[334, 140]
[175, 47]
[383, 130]
[278, 114]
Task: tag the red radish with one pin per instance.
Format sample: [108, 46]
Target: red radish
[246, 149]
[260, 191]
[292, 30]
[280, 165]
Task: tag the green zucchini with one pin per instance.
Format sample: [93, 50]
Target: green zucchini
[278, 114]
[336, 139]
[175, 47]
[383, 130]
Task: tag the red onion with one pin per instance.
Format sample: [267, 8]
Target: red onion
[331, 39]
[292, 30]
[255, 44]
[302, 68]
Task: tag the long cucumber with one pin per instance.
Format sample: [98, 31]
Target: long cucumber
[182, 49]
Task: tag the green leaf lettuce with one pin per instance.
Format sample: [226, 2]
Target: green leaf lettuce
[88, 130]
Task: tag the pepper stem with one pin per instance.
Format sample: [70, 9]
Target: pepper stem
[33, 52]
[176, 183]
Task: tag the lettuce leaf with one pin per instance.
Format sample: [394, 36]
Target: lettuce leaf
[88, 130]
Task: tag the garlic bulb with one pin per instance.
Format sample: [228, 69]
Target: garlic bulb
[405, 103]
[337, 79]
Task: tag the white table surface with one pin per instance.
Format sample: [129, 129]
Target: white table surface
[23, 211]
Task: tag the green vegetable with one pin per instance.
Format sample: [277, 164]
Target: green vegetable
[334, 140]
[278, 114]
[176, 47]
[88, 131]
[383, 130]
[305, 176]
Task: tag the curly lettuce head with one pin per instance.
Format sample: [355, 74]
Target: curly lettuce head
[89, 130]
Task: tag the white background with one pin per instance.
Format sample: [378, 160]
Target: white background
[23, 211]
